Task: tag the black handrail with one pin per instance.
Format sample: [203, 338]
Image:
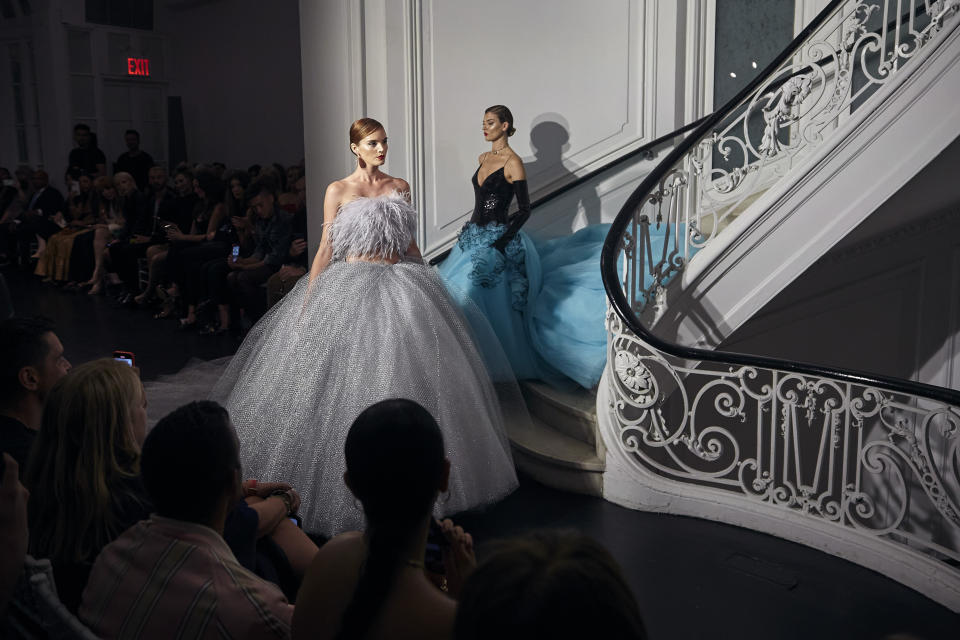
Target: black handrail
[611, 250]
[580, 181]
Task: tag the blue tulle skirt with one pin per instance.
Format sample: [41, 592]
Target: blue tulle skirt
[544, 300]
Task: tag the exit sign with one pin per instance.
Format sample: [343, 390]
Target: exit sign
[138, 66]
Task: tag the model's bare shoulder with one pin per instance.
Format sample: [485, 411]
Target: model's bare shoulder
[513, 170]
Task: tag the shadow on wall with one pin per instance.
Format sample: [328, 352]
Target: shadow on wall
[550, 139]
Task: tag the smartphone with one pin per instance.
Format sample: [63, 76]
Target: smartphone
[236, 252]
[436, 542]
[295, 519]
[125, 357]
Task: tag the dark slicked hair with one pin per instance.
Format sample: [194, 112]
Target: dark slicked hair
[395, 461]
[189, 460]
[548, 584]
[22, 344]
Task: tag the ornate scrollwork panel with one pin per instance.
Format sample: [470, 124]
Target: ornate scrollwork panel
[854, 456]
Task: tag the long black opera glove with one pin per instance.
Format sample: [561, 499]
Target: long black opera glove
[515, 221]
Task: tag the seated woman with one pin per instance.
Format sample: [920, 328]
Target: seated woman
[89, 249]
[373, 584]
[83, 472]
[84, 479]
[54, 264]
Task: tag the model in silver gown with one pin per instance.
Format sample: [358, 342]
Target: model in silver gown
[365, 330]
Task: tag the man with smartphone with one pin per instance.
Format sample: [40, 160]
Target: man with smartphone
[273, 233]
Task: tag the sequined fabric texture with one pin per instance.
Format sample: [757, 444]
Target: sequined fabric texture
[366, 332]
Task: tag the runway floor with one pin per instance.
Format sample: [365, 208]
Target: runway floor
[692, 578]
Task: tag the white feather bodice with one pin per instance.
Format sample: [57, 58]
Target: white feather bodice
[380, 228]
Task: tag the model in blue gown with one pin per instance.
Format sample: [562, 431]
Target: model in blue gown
[544, 300]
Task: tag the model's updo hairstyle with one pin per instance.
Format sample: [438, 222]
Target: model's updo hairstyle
[362, 128]
[505, 116]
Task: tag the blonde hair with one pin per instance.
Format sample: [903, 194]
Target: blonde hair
[84, 451]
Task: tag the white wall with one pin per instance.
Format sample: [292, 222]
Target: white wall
[585, 81]
[236, 66]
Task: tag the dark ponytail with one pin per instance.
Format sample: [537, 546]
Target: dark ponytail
[395, 462]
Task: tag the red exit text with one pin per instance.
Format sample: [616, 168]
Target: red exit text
[138, 66]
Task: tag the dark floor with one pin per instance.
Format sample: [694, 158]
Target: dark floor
[693, 578]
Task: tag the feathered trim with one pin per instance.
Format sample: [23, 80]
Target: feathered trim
[381, 227]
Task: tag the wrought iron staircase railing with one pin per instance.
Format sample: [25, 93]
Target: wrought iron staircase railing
[871, 459]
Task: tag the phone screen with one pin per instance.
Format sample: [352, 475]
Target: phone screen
[236, 252]
[126, 357]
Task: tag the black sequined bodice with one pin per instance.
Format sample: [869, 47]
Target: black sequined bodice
[491, 199]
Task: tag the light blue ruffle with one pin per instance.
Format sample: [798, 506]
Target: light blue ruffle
[545, 300]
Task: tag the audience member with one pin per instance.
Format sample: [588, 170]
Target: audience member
[137, 234]
[87, 257]
[161, 200]
[373, 584]
[295, 266]
[272, 250]
[23, 173]
[13, 529]
[87, 157]
[43, 216]
[178, 558]
[54, 264]
[185, 199]
[548, 585]
[83, 473]
[207, 240]
[31, 362]
[218, 169]
[253, 171]
[134, 161]
[12, 202]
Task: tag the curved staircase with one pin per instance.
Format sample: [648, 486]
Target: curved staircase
[860, 465]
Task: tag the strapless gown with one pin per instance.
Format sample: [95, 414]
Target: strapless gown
[365, 332]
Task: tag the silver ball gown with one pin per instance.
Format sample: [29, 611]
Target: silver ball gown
[363, 332]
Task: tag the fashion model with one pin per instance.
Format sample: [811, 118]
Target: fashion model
[545, 300]
[371, 322]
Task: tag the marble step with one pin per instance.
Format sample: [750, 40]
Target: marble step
[573, 413]
[556, 459]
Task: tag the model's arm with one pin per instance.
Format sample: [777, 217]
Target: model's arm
[331, 204]
[516, 175]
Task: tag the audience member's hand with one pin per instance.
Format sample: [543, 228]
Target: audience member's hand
[290, 271]
[239, 222]
[459, 560]
[13, 528]
[264, 489]
[173, 233]
[297, 247]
